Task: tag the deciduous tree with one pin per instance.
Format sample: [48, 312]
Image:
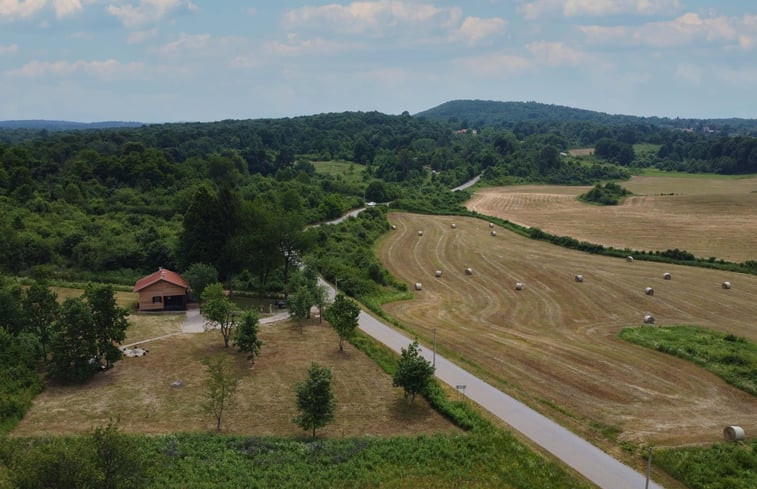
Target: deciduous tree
[221, 387]
[108, 320]
[247, 340]
[41, 310]
[343, 315]
[219, 311]
[413, 371]
[315, 400]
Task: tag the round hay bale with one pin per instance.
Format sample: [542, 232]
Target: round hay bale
[667, 276]
[494, 233]
[726, 285]
[418, 286]
[629, 259]
[469, 271]
[579, 278]
[519, 286]
[648, 319]
[491, 224]
[394, 227]
[420, 233]
[649, 291]
[453, 225]
[438, 273]
[733, 433]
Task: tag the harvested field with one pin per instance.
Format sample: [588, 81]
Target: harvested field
[707, 216]
[139, 391]
[555, 343]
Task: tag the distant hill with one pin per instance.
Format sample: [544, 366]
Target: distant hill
[480, 113]
[40, 124]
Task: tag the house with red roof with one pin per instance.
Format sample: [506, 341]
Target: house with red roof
[163, 290]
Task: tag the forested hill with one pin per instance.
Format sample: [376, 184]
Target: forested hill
[43, 124]
[482, 113]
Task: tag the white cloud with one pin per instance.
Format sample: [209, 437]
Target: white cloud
[109, 68]
[137, 37]
[19, 9]
[684, 30]
[64, 8]
[494, 65]
[689, 73]
[370, 17]
[11, 49]
[746, 77]
[557, 54]
[252, 11]
[475, 29]
[147, 11]
[598, 8]
[185, 42]
[295, 47]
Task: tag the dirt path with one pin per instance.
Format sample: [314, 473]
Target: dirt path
[195, 323]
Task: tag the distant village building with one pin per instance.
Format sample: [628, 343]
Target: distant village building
[163, 290]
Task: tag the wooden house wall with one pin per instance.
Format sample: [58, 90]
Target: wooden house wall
[160, 288]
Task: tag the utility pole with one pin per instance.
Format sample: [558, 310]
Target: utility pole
[649, 467]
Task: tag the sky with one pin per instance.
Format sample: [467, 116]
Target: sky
[181, 60]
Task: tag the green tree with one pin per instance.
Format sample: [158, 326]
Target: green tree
[41, 310]
[199, 276]
[221, 388]
[117, 459]
[413, 371]
[219, 311]
[343, 315]
[202, 233]
[108, 319]
[315, 400]
[73, 347]
[247, 340]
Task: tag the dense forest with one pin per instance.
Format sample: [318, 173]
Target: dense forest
[113, 204]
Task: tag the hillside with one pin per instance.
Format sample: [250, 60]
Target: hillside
[480, 113]
[42, 124]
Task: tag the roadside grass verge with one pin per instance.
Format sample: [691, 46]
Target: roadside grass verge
[730, 357]
[720, 466]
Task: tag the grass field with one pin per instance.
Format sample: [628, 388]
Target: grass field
[730, 357]
[705, 215]
[555, 344]
[139, 392]
[351, 172]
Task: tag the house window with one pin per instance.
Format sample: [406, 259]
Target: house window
[156, 299]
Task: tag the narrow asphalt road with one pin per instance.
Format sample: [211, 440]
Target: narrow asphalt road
[591, 462]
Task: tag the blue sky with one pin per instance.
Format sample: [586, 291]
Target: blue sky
[180, 60]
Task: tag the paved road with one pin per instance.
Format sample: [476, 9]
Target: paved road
[467, 184]
[594, 464]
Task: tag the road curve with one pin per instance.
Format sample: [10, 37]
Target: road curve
[586, 459]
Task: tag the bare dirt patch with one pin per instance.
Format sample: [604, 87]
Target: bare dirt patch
[705, 216]
[555, 343]
[138, 391]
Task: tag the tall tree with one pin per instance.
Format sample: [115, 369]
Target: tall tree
[413, 371]
[343, 315]
[247, 340]
[222, 387]
[315, 400]
[73, 348]
[41, 310]
[108, 319]
[219, 311]
[199, 276]
[202, 235]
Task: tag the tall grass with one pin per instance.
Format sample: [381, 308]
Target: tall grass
[730, 357]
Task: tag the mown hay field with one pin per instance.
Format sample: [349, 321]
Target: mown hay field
[138, 391]
[555, 343]
[707, 216]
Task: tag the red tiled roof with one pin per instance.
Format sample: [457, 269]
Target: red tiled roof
[161, 274]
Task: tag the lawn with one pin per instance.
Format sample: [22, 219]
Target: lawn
[349, 171]
[139, 391]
